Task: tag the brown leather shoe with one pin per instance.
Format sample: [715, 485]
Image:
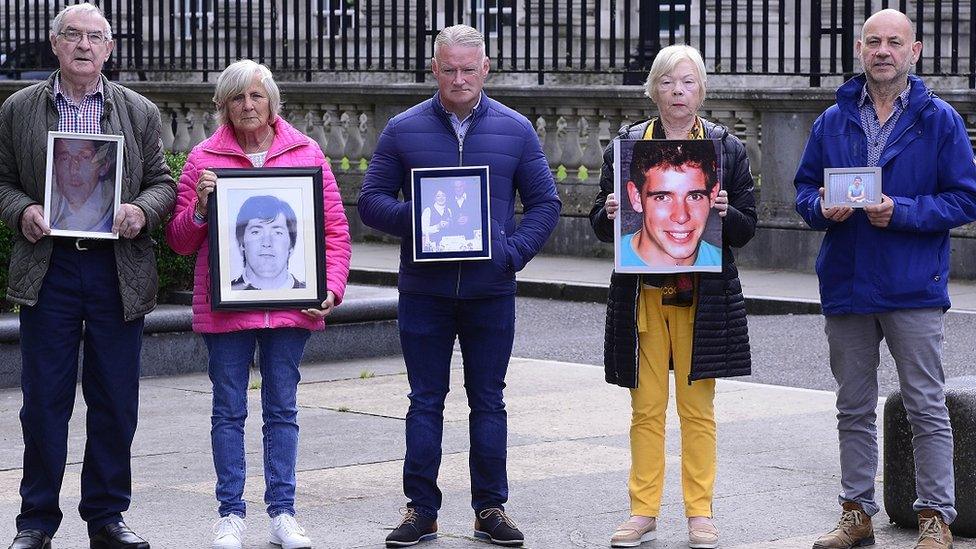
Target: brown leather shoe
[853, 530]
[933, 532]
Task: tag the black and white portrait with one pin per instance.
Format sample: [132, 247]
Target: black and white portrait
[268, 254]
[267, 242]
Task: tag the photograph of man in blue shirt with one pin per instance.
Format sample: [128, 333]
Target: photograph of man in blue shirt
[673, 185]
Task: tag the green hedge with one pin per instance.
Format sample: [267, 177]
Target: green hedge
[175, 271]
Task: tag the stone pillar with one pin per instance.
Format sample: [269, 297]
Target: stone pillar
[784, 135]
[783, 240]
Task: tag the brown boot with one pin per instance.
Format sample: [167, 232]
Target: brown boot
[853, 530]
[933, 532]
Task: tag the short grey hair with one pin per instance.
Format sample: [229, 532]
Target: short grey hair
[236, 78]
[460, 35]
[57, 24]
[667, 59]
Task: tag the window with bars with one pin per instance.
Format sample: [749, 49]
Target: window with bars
[339, 15]
[674, 15]
[197, 15]
[492, 14]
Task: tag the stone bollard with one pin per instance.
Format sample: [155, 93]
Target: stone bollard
[899, 461]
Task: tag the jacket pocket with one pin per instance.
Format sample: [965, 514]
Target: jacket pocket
[500, 255]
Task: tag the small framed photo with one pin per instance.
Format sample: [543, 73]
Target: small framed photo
[267, 241]
[852, 187]
[83, 184]
[451, 213]
[667, 190]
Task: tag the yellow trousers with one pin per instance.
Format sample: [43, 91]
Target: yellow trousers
[666, 331]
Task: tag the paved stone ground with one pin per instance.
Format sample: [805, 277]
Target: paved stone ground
[568, 462]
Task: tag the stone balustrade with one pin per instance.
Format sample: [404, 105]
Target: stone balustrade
[574, 123]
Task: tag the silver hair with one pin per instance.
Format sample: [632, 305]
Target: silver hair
[57, 24]
[667, 59]
[460, 35]
[236, 78]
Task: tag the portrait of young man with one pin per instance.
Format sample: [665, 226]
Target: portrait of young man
[855, 191]
[671, 187]
[83, 186]
[266, 232]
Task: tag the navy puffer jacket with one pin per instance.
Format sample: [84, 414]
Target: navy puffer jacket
[721, 340]
[504, 140]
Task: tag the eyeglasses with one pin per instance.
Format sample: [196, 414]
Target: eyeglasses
[73, 35]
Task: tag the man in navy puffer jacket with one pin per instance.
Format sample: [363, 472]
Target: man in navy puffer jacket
[883, 270]
[473, 301]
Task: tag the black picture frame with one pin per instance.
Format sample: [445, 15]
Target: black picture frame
[463, 230]
[261, 192]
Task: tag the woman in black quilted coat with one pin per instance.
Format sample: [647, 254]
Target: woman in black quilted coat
[693, 323]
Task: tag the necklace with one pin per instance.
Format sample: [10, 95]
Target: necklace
[264, 144]
[675, 132]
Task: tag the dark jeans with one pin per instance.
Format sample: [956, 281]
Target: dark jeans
[486, 329]
[79, 300]
[231, 353]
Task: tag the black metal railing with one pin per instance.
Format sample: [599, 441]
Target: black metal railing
[811, 39]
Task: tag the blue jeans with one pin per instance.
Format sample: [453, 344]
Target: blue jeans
[79, 301]
[486, 329]
[230, 357]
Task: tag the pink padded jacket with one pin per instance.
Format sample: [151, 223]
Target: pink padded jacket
[290, 148]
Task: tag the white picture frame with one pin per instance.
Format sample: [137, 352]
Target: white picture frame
[83, 184]
[841, 186]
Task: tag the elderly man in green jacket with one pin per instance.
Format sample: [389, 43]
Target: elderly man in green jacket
[73, 289]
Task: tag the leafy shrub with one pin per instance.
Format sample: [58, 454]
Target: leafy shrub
[175, 271]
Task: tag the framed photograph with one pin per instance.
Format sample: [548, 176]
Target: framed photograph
[852, 187]
[83, 184]
[451, 213]
[267, 241]
[666, 222]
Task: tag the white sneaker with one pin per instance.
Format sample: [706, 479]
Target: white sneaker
[228, 532]
[286, 532]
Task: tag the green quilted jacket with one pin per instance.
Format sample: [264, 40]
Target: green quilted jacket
[25, 118]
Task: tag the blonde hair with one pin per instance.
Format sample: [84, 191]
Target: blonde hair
[57, 24]
[460, 35]
[236, 78]
[667, 59]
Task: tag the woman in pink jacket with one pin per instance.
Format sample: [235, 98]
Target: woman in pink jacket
[252, 135]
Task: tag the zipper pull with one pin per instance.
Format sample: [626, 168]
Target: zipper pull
[460, 150]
